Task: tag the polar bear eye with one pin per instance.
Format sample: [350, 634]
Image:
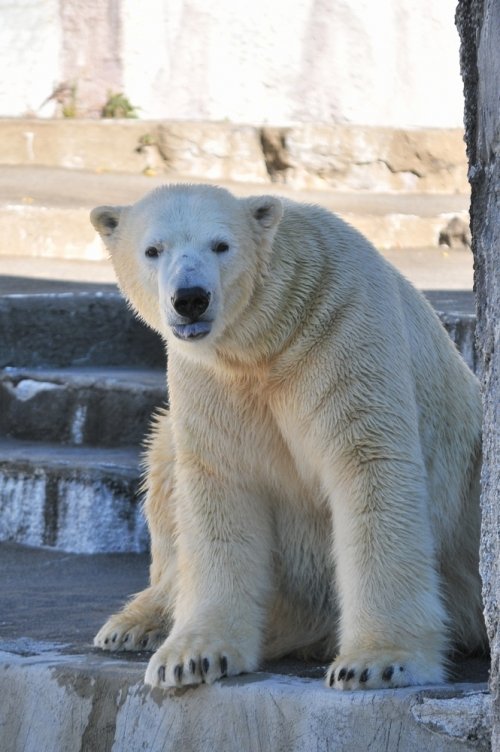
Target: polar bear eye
[220, 246]
[152, 252]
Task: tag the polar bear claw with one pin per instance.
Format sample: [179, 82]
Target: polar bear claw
[186, 661]
[383, 669]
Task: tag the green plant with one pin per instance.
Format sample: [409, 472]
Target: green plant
[69, 108]
[118, 106]
[147, 139]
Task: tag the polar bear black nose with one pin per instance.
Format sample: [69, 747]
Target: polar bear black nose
[191, 302]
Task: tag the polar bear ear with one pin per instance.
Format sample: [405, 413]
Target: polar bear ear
[105, 219]
[266, 211]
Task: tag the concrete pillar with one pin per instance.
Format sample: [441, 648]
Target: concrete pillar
[91, 52]
[478, 23]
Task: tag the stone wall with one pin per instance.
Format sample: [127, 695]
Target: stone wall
[479, 25]
[313, 156]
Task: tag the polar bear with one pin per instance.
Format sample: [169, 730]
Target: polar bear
[313, 488]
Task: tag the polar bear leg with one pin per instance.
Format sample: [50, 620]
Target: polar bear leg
[392, 620]
[223, 588]
[223, 537]
[145, 621]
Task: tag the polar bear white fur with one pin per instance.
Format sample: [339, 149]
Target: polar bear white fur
[314, 485]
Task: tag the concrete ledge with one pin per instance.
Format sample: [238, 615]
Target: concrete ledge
[68, 489]
[61, 695]
[63, 232]
[92, 703]
[310, 155]
[74, 328]
[80, 406]
[109, 335]
[44, 211]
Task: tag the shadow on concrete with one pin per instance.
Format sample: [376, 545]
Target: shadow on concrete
[10, 285]
[59, 598]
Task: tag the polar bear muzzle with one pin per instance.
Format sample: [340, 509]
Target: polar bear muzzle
[198, 330]
[191, 303]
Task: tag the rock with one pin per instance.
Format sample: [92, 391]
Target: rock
[214, 151]
[478, 23]
[456, 234]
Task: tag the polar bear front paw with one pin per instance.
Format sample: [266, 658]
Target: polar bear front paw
[383, 669]
[189, 659]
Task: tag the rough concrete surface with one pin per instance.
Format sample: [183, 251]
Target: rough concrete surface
[67, 706]
[69, 489]
[308, 156]
[60, 695]
[82, 406]
[80, 327]
[54, 186]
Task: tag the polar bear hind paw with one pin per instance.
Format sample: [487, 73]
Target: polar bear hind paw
[120, 633]
[183, 662]
[383, 669]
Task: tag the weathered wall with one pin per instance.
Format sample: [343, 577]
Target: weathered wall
[386, 63]
[91, 49]
[479, 25]
[30, 40]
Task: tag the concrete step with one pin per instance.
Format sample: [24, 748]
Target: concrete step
[76, 368]
[61, 465]
[73, 326]
[80, 406]
[456, 310]
[44, 211]
[58, 702]
[59, 694]
[76, 499]
[428, 268]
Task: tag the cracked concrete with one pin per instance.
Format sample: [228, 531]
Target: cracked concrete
[98, 706]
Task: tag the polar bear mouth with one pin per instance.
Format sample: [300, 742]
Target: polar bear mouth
[196, 330]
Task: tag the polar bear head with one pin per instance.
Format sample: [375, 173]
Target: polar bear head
[188, 257]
